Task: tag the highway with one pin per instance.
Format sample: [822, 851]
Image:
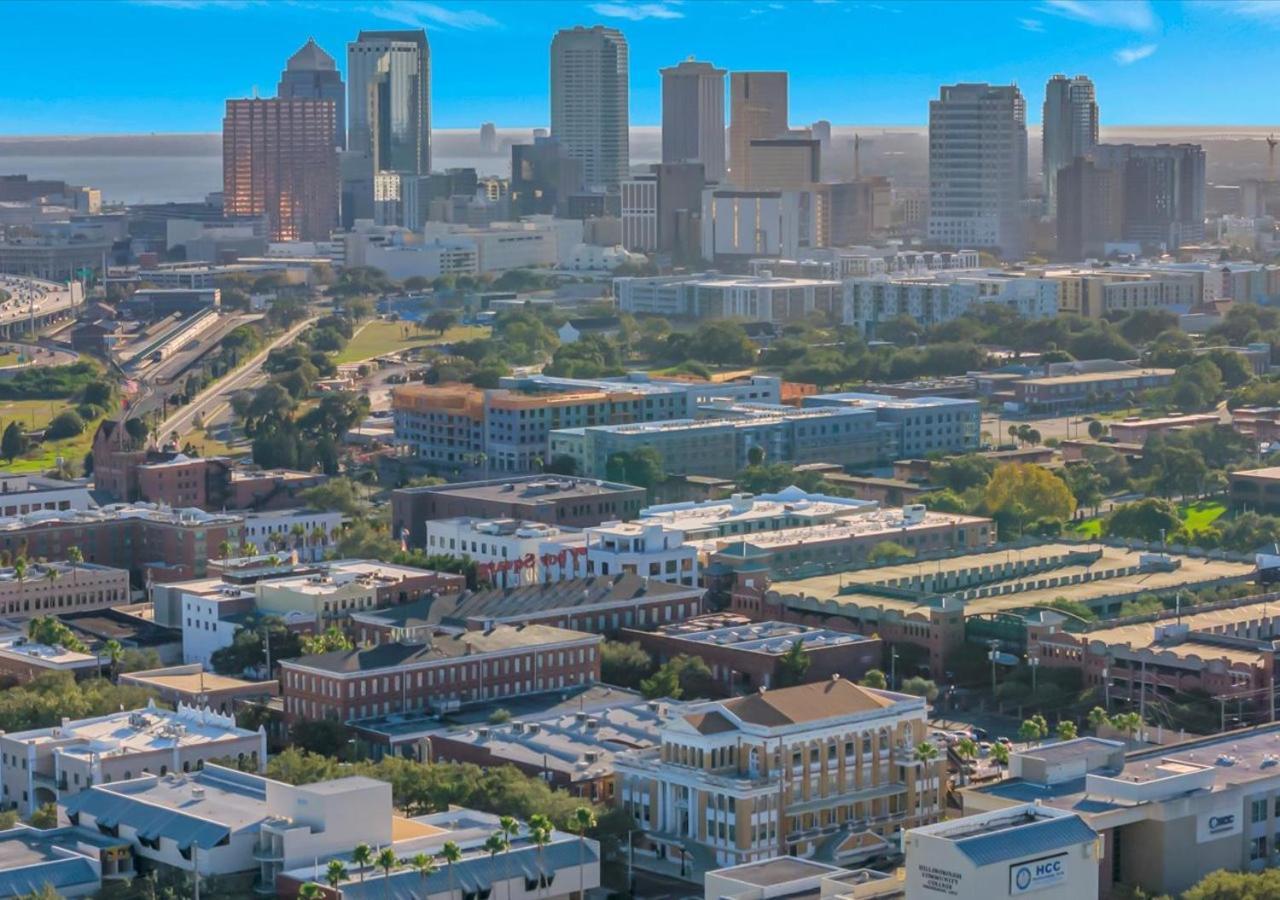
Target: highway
[31, 298]
[210, 402]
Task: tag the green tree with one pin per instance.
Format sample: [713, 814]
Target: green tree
[441, 320]
[1019, 493]
[642, 468]
[584, 820]
[451, 853]
[424, 865]
[888, 552]
[362, 856]
[387, 860]
[1148, 519]
[327, 641]
[335, 873]
[920, 687]
[13, 443]
[65, 424]
[926, 751]
[874, 678]
[1000, 755]
[664, 683]
[45, 816]
[793, 665]
[1067, 730]
[624, 664]
[1097, 718]
[1226, 885]
[113, 650]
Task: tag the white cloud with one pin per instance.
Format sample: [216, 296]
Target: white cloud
[1260, 10]
[418, 14]
[1130, 55]
[199, 4]
[1130, 15]
[636, 12]
[1031, 24]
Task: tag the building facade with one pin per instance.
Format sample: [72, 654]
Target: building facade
[311, 74]
[693, 116]
[1069, 129]
[757, 109]
[589, 102]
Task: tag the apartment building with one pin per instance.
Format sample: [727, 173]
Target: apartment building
[940, 297]
[1059, 393]
[54, 588]
[720, 445]
[916, 426]
[509, 552]
[1099, 293]
[335, 589]
[311, 534]
[759, 297]
[802, 771]
[561, 500]
[445, 672]
[22, 494]
[51, 765]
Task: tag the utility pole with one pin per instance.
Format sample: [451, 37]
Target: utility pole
[195, 869]
[1142, 692]
[1034, 663]
[893, 669]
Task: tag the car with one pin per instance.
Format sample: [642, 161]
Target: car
[984, 748]
[980, 734]
[1004, 740]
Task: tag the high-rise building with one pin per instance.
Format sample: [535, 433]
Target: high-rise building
[543, 177]
[1070, 128]
[279, 159]
[783, 164]
[1163, 188]
[680, 187]
[1090, 209]
[978, 167]
[389, 94]
[639, 198]
[310, 74]
[757, 109]
[488, 138]
[693, 116]
[589, 99]
[861, 210]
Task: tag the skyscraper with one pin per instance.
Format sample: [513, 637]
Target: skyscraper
[279, 159]
[389, 100]
[978, 167]
[1163, 189]
[488, 138]
[693, 116]
[589, 97]
[310, 74]
[758, 109]
[1070, 127]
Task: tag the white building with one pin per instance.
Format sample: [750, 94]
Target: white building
[589, 102]
[308, 532]
[640, 213]
[943, 296]
[762, 297]
[1026, 849]
[746, 514]
[22, 494]
[978, 167]
[647, 548]
[861, 262]
[741, 225]
[510, 552]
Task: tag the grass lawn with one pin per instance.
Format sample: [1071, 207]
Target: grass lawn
[207, 445]
[35, 414]
[378, 337]
[1201, 515]
[1089, 528]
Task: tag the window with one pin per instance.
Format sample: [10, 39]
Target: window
[1258, 811]
[1258, 848]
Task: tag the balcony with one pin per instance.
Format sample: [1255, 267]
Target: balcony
[268, 852]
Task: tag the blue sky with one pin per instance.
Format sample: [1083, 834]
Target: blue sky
[167, 65]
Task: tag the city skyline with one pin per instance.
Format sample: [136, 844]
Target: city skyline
[1154, 63]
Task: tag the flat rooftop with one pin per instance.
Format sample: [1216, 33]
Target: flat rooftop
[887, 401]
[197, 682]
[844, 587]
[765, 638]
[531, 489]
[779, 870]
[137, 731]
[886, 522]
[747, 511]
[1091, 377]
[1265, 472]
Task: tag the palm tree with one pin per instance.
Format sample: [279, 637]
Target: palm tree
[496, 843]
[310, 891]
[584, 819]
[362, 856]
[318, 535]
[225, 549]
[1097, 718]
[387, 860]
[509, 828]
[113, 651]
[424, 865]
[452, 853]
[336, 873]
[1067, 730]
[20, 568]
[926, 751]
[75, 557]
[299, 533]
[540, 834]
[1000, 755]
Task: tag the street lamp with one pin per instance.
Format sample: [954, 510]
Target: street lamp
[1034, 663]
[893, 669]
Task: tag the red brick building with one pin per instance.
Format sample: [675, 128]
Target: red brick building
[745, 656]
[444, 672]
[214, 483]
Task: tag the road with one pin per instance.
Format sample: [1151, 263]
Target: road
[209, 402]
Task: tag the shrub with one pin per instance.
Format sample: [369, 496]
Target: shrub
[64, 425]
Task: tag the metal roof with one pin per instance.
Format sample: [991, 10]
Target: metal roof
[1043, 836]
[58, 874]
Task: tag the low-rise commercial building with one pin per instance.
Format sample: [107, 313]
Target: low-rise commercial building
[191, 685]
[940, 297]
[1255, 490]
[810, 771]
[1134, 430]
[51, 765]
[763, 297]
[443, 672]
[22, 494]
[1058, 393]
[746, 656]
[335, 589]
[789, 877]
[1023, 849]
[561, 500]
[915, 426]
[509, 552]
[602, 604]
[744, 514]
[22, 660]
[54, 588]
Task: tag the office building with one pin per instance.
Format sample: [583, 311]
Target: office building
[680, 187]
[389, 100]
[778, 773]
[1163, 189]
[457, 428]
[589, 102]
[310, 74]
[940, 297]
[23, 660]
[746, 656]
[51, 765]
[1069, 129]
[746, 514]
[785, 876]
[561, 500]
[1166, 816]
[640, 213]
[783, 164]
[758, 110]
[191, 685]
[54, 588]
[279, 161]
[1060, 393]
[508, 552]
[693, 116]
[739, 225]
[860, 211]
[543, 177]
[488, 138]
[21, 494]
[978, 168]
[443, 672]
[1029, 848]
[917, 426]
[1089, 201]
